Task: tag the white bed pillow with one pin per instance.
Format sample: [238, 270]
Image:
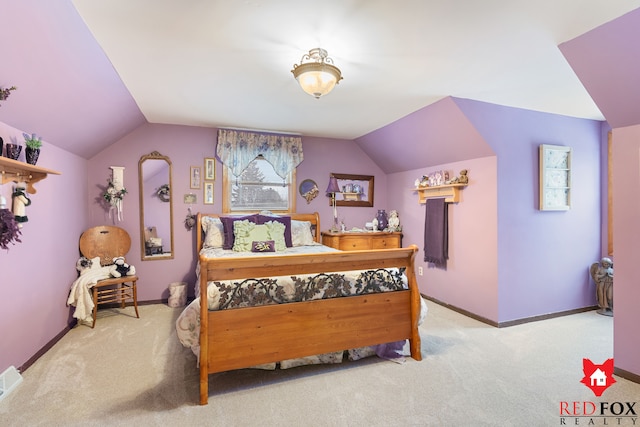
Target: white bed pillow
[301, 233]
[213, 232]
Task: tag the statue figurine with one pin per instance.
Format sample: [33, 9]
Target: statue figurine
[602, 274]
[394, 221]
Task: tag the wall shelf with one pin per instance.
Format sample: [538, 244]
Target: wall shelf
[450, 192]
[13, 170]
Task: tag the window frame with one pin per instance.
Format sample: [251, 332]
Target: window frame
[227, 180]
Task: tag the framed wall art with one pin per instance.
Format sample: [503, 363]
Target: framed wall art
[356, 190]
[209, 169]
[208, 193]
[555, 178]
[195, 177]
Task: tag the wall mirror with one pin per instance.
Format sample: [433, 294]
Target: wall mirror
[355, 190]
[156, 207]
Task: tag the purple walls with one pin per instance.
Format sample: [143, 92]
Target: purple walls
[35, 275]
[626, 234]
[543, 256]
[433, 135]
[68, 91]
[607, 62]
[188, 146]
[531, 262]
[470, 281]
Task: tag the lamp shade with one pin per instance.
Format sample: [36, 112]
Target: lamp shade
[333, 187]
[316, 74]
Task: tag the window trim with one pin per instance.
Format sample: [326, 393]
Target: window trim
[227, 177]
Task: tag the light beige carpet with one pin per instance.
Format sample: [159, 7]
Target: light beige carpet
[134, 372]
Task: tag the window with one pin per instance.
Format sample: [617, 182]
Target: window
[258, 188]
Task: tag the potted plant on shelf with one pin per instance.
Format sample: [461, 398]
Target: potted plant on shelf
[33, 143]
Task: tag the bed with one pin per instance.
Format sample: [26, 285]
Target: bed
[239, 328]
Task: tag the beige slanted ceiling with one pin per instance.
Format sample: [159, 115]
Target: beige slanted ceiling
[227, 63]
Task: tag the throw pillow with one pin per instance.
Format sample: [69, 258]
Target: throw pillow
[285, 220]
[276, 233]
[301, 233]
[213, 232]
[227, 222]
[263, 246]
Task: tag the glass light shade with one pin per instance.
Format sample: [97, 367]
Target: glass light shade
[317, 78]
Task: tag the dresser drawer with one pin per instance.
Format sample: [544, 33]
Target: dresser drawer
[386, 242]
[354, 243]
[362, 241]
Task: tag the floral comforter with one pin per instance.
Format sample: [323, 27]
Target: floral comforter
[284, 289]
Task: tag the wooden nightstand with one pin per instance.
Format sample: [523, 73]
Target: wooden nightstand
[362, 241]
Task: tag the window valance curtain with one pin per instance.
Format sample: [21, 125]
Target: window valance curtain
[236, 149]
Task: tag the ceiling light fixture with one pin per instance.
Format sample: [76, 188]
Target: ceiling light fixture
[316, 73]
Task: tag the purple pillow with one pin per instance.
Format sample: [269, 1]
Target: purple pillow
[285, 220]
[263, 246]
[227, 224]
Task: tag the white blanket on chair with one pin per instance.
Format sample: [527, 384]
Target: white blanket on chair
[80, 295]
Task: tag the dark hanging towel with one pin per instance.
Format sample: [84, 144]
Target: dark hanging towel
[436, 234]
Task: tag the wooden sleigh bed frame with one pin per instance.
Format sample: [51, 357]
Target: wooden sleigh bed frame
[244, 337]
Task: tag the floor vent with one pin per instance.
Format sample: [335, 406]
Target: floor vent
[9, 380]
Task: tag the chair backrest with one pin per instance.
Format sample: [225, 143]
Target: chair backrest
[105, 241]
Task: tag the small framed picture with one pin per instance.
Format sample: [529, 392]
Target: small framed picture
[209, 169]
[208, 193]
[555, 178]
[190, 199]
[195, 177]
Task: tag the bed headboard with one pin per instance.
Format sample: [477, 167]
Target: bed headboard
[313, 218]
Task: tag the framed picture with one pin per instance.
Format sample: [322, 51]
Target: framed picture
[209, 169]
[357, 190]
[190, 199]
[555, 178]
[208, 193]
[195, 177]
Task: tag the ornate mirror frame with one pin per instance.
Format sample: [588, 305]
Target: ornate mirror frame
[156, 188]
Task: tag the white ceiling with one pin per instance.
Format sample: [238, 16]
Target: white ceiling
[227, 63]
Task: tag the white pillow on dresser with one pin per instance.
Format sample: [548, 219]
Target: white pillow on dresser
[213, 232]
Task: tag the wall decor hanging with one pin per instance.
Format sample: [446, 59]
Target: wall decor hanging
[210, 169]
[114, 193]
[208, 193]
[5, 92]
[555, 178]
[194, 177]
[309, 190]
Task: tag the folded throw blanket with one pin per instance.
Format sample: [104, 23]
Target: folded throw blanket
[436, 234]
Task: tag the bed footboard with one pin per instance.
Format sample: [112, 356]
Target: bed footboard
[244, 337]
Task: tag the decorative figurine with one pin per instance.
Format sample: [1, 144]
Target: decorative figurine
[602, 274]
[20, 201]
[394, 221]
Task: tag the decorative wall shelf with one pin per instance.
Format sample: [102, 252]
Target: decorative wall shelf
[13, 170]
[450, 192]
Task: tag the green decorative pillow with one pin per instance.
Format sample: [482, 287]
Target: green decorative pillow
[276, 233]
[241, 231]
[246, 232]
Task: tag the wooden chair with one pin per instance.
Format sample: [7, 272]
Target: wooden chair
[108, 242]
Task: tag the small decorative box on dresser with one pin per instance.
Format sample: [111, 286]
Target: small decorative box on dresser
[352, 241]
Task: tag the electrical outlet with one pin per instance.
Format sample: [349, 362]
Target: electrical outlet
[419, 271]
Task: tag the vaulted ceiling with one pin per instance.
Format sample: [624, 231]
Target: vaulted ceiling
[90, 71]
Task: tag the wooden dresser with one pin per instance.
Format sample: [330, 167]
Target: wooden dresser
[362, 241]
